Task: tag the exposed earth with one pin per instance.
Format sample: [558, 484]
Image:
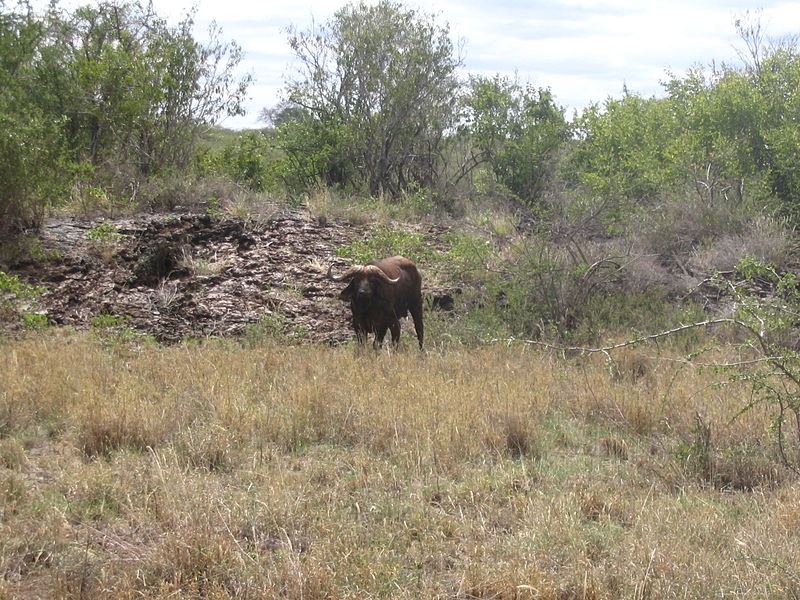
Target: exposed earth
[183, 276]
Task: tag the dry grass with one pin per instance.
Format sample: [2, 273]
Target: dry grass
[203, 266]
[213, 471]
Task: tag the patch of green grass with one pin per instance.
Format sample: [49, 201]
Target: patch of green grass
[18, 302]
[386, 242]
[271, 326]
[34, 321]
[114, 331]
[104, 239]
[468, 256]
[106, 233]
[12, 287]
[107, 321]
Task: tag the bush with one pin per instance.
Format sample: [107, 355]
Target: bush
[250, 159]
[32, 167]
[18, 302]
[518, 133]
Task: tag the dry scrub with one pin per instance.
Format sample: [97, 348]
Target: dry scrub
[213, 471]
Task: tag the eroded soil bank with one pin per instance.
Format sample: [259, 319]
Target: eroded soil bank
[194, 275]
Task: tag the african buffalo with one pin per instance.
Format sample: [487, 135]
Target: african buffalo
[380, 294]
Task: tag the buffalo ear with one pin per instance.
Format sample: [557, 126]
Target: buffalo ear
[346, 294]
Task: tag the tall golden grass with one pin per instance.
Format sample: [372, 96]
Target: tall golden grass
[216, 471]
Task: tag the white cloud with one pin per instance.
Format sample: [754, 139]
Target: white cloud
[583, 50]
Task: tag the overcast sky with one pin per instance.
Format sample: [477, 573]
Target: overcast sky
[583, 50]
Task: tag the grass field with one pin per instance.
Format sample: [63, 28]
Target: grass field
[217, 471]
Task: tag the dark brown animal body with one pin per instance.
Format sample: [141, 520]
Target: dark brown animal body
[380, 294]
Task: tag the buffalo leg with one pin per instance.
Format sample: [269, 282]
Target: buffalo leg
[416, 314]
[395, 329]
[361, 334]
[379, 335]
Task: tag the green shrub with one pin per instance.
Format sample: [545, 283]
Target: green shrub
[107, 321]
[248, 159]
[18, 301]
[32, 166]
[518, 130]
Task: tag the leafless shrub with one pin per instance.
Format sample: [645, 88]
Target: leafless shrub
[681, 224]
[677, 228]
[166, 293]
[215, 195]
[645, 272]
[765, 239]
[255, 208]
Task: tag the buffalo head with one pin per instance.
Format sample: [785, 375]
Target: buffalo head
[364, 284]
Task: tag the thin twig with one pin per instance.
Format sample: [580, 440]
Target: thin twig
[607, 349]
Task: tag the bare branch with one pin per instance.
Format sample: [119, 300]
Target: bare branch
[639, 340]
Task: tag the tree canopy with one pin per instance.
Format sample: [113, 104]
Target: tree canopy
[379, 90]
[109, 86]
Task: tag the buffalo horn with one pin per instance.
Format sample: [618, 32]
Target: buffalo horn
[380, 273]
[347, 275]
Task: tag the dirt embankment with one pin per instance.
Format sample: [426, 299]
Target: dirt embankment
[192, 276]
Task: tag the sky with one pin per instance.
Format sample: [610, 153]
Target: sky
[585, 51]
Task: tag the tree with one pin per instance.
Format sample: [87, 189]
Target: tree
[30, 144]
[108, 87]
[739, 124]
[133, 88]
[626, 148]
[777, 84]
[281, 114]
[516, 130]
[378, 89]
